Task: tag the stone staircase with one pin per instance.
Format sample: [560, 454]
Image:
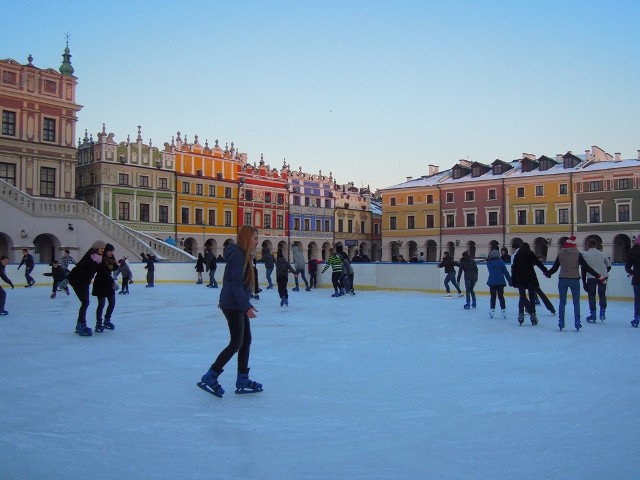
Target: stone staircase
[74, 210]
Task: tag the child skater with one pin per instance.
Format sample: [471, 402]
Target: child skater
[313, 272]
[470, 268]
[127, 276]
[104, 288]
[4, 261]
[282, 276]
[498, 278]
[58, 274]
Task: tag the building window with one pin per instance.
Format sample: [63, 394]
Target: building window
[450, 220]
[318, 225]
[430, 221]
[520, 192]
[449, 197]
[563, 189]
[47, 182]
[307, 201]
[392, 223]
[199, 189]
[594, 214]
[212, 190]
[8, 123]
[199, 216]
[492, 194]
[296, 200]
[410, 200]
[227, 192]
[212, 217]
[296, 224]
[392, 201]
[163, 214]
[522, 217]
[50, 87]
[493, 219]
[248, 196]
[143, 181]
[350, 226]
[123, 211]
[247, 218]
[49, 130]
[10, 78]
[163, 184]
[227, 218]
[471, 219]
[539, 190]
[429, 198]
[123, 179]
[185, 215]
[327, 226]
[362, 226]
[469, 196]
[563, 216]
[411, 222]
[539, 217]
[318, 202]
[307, 224]
[186, 187]
[376, 229]
[280, 222]
[624, 212]
[267, 220]
[267, 197]
[8, 173]
[281, 199]
[595, 186]
[144, 212]
[327, 203]
[340, 225]
[623, 184]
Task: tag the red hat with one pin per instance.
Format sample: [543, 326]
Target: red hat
[570, 242]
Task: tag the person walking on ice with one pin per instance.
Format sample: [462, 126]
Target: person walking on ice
[237, 285]
[449, 266]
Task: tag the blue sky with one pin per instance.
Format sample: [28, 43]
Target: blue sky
[372, 91]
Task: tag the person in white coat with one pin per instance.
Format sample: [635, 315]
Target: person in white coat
[298, 265]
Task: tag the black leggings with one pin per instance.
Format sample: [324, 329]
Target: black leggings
[240, 341]
[499, 290]
[82, 292]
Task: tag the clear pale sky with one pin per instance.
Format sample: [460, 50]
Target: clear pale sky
[372, 91]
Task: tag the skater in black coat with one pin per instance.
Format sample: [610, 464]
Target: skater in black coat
[4, 261]
[151, 270]
[199, 268]
[58, 274]
[104, 287]
[80, 279]
[524, 278]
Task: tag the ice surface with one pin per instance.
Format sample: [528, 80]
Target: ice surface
[382, 385]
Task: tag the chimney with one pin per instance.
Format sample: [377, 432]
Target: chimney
[435, 168]
[559, 157]
[409, 179]
[638, 154]
[588, 156]
[617, 157]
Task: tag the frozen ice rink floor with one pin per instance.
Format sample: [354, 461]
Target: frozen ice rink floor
[383, 385]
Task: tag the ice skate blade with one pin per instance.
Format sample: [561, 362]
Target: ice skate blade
[208, 389]
[243, 391]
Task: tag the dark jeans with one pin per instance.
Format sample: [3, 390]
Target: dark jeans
[212, 278]
[335, 280]
[527, 302]
[56, 285]
[82, 292]
[300, 271]
[27, 274]
[282, 287]
[596, 286]
[499, 291]
[469, 285]
[125, 284]
[564, 285]
[636, 301]
[150, 277]
[313, 279]
[111, 305]
[539, 293]
[451, 277]
[269, 271]
[3, 298]
[240, 341]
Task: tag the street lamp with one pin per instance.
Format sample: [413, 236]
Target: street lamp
[203, 225]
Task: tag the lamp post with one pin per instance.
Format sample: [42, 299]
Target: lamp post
[241, 181]
[204, 239]
[288, 224]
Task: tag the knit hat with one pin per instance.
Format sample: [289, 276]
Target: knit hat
[570, 242]
[493, 254]
[109, 248]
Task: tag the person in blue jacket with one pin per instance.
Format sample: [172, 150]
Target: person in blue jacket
[237, 285]
[498, 278]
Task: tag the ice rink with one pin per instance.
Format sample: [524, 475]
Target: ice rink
[382, 385]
